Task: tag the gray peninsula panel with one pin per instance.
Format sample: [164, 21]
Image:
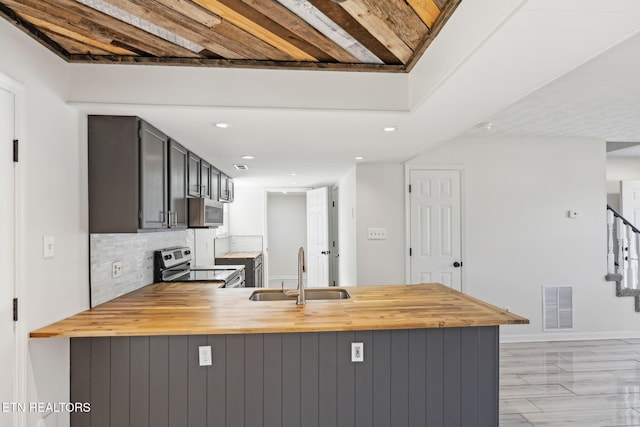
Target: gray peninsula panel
[419, 377]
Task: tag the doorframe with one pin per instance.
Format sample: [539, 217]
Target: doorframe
[408, 168]
[267, 190]
[21, 341]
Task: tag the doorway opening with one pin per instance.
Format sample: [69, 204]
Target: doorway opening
[307, 218]
[286, 232]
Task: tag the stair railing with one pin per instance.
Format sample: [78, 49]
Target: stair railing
[622, 250]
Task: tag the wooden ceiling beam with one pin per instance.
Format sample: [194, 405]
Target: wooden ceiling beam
[275, 28]
[237, 63]
[379, 28]
[93, 24]
[64, 34]
[193, 11]
[170, 20]
[301, 32]
[227, 13]
[75, 47]
[441, 3]
[33, 32]
[427, 10]
[444, 16]
[347, 22]
[399, 18]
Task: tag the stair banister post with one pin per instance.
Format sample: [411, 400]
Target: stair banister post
[632, 259]
[622, 253]
[611, 256]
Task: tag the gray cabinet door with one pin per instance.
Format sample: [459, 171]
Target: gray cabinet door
[205, 179]
[178, 157]
[215, 183]
[194, 175]
[153, 178]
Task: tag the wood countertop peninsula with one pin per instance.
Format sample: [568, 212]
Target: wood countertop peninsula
[200, 309]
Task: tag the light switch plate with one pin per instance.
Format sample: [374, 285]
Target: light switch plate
[357, 352]
[48, 247]
[376, 233]
[204, 352]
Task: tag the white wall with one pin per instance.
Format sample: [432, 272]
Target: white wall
[620, 169]
[380, 203]
[347, 229]
[54, 168]
[287, 231]
[246, 213]
[517, 236]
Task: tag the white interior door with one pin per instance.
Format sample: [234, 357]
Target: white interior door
[334, 261]
[318, 237]
[630, 201]
[435, 227]
[7, 255]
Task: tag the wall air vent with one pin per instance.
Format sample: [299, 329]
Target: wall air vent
[241, 167]
[557, 308]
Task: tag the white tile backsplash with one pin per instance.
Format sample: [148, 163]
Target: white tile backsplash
[135, 251]
[238, 244]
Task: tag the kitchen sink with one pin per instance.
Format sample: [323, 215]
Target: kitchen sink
[310, 295]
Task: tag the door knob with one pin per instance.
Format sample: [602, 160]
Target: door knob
[457, 264]
[325, 252]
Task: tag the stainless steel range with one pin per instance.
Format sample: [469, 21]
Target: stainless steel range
[174, 265]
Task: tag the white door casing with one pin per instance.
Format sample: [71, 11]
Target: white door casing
[7, 251]
[335, 237]
[317, 256]
[435, 223]
[630, 201]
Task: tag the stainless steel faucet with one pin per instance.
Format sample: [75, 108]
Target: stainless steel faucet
[302, 268]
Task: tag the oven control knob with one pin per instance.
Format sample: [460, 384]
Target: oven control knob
[187, 252]
[167, 257]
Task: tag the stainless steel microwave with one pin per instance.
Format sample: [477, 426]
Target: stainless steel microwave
[205, 212]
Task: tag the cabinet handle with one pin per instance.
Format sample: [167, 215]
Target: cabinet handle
[162, 214]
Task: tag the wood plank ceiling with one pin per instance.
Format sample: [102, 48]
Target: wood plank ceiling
[358, 35]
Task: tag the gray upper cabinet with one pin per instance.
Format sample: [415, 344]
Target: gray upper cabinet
[226, 189]
[140, 179]
[153, 178]
[137, 177]
[194, 175]
[178, 158]
[205, 179]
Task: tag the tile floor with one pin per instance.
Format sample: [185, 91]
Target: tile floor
[570, 383]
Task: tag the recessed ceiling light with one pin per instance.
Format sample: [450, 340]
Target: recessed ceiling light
[389, 129]
[222, 125]
[293, 174]
[241, 167]
[484, 125]
[294, 183]
[359, 158]
[247, 157]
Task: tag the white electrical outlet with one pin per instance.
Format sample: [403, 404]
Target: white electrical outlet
[377, 233]
[116, 269]
[357, 352]
[204, 352]
[48, 247]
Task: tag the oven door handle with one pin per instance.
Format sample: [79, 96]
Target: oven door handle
[235, 283]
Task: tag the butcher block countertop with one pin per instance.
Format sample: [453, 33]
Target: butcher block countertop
[252, 254]
[200, 309]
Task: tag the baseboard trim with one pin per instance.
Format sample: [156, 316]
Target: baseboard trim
[568, 336]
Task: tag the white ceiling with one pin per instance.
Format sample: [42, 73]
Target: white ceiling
[487, 63]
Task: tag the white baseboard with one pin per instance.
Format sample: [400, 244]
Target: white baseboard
[567, 336]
